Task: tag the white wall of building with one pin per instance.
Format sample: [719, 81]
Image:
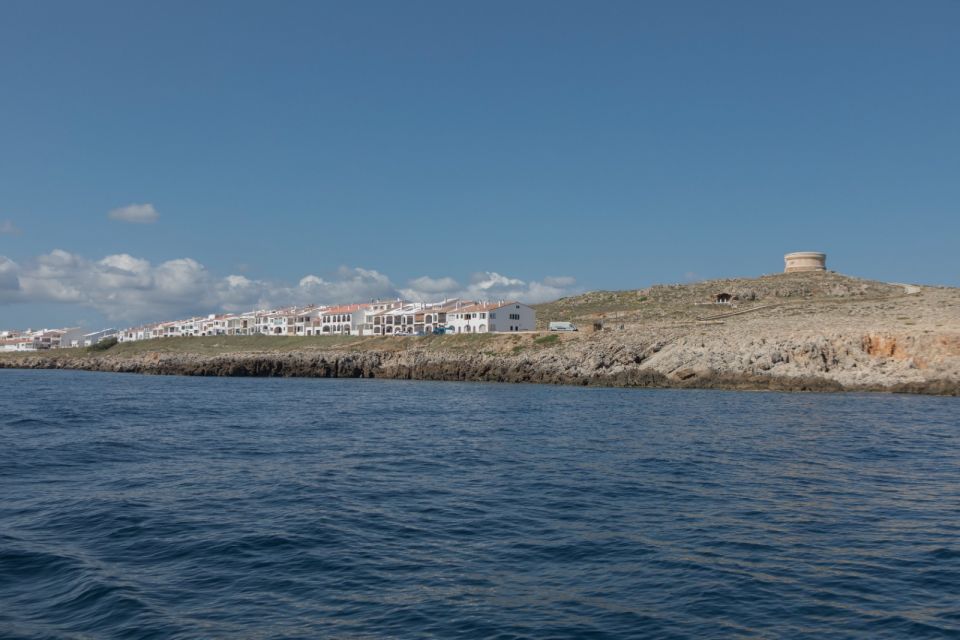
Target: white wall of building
[515, 316]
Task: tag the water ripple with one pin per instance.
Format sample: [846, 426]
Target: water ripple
[140, 507]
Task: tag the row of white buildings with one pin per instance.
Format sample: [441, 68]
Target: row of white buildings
[30, 340]
[378, 318]
[40, 339]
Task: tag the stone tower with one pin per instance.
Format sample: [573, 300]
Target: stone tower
[804, 261]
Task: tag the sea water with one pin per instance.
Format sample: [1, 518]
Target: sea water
[167, 507]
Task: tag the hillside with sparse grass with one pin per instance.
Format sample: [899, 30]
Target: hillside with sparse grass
[697, 299]
[801, 331]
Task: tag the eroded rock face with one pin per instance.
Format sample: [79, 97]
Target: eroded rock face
[851, 335]
[813, 362]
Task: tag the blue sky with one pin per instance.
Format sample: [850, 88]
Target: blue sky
[296, 151]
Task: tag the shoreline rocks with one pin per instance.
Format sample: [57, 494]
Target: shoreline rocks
[816, 331]
[814, 366]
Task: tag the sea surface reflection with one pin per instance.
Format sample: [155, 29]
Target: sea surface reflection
[160, 507]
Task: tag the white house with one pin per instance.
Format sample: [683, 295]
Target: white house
[401, 319]
[274, 323]
[49, 339]
[90, 339]
[435, 314]
[17, 344]
[130, 334]
[306, 319]
[424, 317]
[72, 338]
[242, 324]
[30, 340]
[163, 329]
[345, 319]
[187, 328]
[492, 317]
[375, 317]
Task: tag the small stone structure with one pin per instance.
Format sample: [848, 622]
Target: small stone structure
[804, 261]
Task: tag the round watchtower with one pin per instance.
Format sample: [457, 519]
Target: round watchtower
[804, 261]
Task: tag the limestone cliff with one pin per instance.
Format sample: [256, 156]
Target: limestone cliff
[842, 336]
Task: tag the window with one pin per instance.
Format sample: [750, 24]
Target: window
[483, 315]
[493, 315]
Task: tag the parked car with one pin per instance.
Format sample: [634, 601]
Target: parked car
[563, 326]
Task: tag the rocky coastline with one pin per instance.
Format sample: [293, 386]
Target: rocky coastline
[821, 366]
[789, 332]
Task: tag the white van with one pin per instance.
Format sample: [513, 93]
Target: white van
[563, 326]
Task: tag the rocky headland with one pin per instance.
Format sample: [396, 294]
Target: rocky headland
[817, 331]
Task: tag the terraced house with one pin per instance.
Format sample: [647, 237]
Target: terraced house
[344, 320]
[492, 317]
[377, 318]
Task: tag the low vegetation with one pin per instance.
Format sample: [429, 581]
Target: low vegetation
[659, 310]
[815, 331]
[212, 345]
[688, 302]
[104, 345]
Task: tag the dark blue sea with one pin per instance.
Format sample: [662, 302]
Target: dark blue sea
[166, 507]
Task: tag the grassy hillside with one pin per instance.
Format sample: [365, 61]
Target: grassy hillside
[211, 345]
[670, 304]
[220, 345]
[686, 301]
[226, 344]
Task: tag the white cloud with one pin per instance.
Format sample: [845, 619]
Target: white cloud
[490, 285]
[238, 281]
[9, 278]
[121, 287]
[136, 213]
[124, 262]
[348, 285]
[7, 228]
[427, 284]
[127, 289]
[491, 280]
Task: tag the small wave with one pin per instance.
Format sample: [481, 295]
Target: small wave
[23, 423]
[271, 512]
